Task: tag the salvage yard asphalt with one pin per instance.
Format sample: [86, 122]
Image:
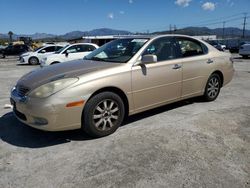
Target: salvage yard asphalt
[186, 144]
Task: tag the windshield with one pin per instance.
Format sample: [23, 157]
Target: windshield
[60, 50]
[38, 48]
[117, 51]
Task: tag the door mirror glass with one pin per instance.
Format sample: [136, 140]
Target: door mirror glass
[147, 59]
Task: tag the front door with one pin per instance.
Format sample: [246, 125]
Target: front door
[157, 83]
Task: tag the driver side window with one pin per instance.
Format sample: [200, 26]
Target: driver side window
[72, 49]
[163, 48]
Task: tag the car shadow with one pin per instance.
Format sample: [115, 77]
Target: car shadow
[18, 134]
[23, 65]
[161, 109]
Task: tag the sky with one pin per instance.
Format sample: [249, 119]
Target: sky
[62, 16]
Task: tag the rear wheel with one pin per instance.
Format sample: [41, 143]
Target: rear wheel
[213, 86]
[103, 114]
[33, 61]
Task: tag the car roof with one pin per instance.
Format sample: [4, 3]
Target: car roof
[155, 36]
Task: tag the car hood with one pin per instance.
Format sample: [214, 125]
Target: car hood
[27, 53]
[77, 68]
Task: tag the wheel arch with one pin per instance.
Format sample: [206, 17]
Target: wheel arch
[117, 91]
[220, 74]
[33, 57]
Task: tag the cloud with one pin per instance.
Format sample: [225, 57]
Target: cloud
[121, 12]
[111, 15]
[130, 1]
[208, 6]
[183, 3]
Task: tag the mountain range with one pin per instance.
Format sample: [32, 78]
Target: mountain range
[229, 31]
[70, 35]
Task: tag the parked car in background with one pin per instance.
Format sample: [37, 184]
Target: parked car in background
[69, 53]
[2, 47]
[34, 58]
[14, 50]
[123, 77]
[245, 50]
[217, 45]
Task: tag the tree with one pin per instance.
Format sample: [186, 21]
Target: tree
[10, 35]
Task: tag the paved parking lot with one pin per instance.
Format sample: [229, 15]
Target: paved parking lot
[186, 144]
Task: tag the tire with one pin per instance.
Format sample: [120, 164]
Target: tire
[213, 87]
[33, 61]
[103, 114]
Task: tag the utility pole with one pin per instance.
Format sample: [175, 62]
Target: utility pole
[175, 29]
[223, 30]
[244, 25]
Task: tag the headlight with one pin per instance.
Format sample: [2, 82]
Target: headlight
[52, 87]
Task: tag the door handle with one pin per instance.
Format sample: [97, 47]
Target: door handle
[209, 61]
[177, 66]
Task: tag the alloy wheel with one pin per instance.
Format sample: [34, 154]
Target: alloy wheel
[106, 115]
[213, 87]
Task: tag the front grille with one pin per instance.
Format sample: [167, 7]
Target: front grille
[22, 90]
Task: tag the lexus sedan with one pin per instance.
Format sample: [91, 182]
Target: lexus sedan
[124, 77]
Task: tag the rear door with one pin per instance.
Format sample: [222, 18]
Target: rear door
[196, 66]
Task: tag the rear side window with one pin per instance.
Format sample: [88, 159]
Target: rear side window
[88, 48]
[190, 47]
[58, 48]
[163, 48]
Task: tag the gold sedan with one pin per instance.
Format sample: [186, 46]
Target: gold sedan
[123, 77]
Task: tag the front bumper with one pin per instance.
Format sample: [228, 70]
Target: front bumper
[23, 60]
[46, 114]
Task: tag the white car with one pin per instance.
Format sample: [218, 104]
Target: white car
[245, 50]
[34, 58]
[69, 53]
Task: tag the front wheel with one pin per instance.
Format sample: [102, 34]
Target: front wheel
[212, 89]
[33, 61]
[103, 114]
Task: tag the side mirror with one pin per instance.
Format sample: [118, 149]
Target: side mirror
[147, 59]
[66, 53]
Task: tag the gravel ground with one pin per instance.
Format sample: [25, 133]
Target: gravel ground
[186, 144]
